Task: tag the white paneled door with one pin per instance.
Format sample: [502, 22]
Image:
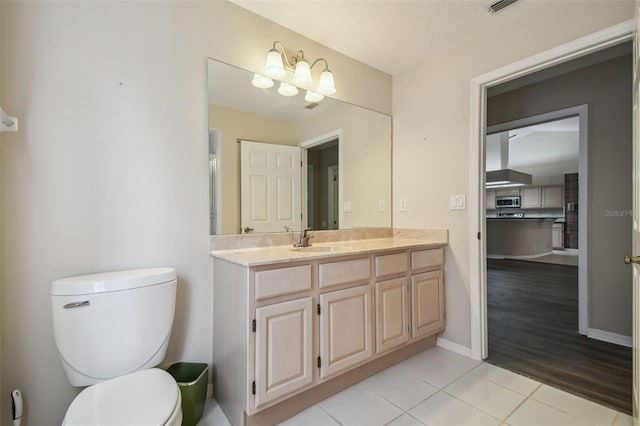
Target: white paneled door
[269, 187]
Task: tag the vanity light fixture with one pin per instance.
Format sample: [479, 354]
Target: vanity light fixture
[287, 89]
[261, 81]
[313, 97]
[277, 65]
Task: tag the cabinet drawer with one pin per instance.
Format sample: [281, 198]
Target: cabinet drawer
[391, 264]
[427, 258]
[344, 272]
[280, 281]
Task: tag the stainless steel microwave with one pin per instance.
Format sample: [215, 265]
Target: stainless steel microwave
[513, 202]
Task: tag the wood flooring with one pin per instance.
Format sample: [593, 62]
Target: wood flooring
[533, 323]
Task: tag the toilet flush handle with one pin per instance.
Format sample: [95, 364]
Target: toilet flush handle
[76, 304]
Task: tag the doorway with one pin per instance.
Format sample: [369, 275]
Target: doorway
[552, 149]
[322, 186]
[321, 165]
[595, 42]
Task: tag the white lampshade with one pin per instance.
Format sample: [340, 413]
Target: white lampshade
[326, 85]
[302, 76]
[313, 96]
[261, 81]
[287, 89]
[274, 67]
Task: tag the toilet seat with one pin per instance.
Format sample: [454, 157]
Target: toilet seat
[144, 398]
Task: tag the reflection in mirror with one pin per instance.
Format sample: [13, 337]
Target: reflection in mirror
[281, 163]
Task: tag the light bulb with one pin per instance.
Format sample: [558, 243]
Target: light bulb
[274, 67]
[326, 85]
[261, 81]
[302, 76]
[287, 89]
[313, 97]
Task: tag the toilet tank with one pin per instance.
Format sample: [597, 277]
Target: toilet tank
[110, 324]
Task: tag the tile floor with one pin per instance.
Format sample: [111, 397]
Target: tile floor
[439, 387]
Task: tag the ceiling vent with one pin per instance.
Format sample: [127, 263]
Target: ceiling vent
[312, 105]
[499, 5]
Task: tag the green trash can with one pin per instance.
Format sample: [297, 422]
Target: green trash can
[192, 379]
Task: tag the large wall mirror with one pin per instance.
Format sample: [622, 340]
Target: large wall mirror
[280, 163]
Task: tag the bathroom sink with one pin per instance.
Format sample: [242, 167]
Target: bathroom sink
[318, 249]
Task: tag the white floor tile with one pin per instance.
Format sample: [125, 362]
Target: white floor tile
[213, 415]
[438, 367]
[622, 420]
[485, 395]
[534, 413]
[515, 382]
[399, 387]
[444, 410]
[405, 420]
[360, 406]
[588, 411]
[314, 416]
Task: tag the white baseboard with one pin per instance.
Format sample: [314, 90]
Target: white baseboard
[607, 336]
[454, 347]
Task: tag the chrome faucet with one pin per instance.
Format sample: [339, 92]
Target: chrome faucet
[304, 239]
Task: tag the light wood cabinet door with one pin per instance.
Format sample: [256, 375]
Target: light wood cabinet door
[531, 197]
[427, 303]
[345, 329]
[552, 196]
[392, 314]
[284, 358]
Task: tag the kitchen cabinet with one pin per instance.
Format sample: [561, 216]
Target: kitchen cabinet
[507, 191]
[557, 235]
[552, 196]
[490, 199]
[530, 197]
[285, 328]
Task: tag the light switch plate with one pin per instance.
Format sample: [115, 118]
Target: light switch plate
[457, 202]
[403, 204]
[381, 205]
[346, 207]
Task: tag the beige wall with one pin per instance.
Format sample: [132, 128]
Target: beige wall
[431, 104]
[234, 125]
[109, 169]
[365, 154]
[606, 88]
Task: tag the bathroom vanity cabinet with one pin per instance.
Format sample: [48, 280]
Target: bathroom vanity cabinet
[286, 326]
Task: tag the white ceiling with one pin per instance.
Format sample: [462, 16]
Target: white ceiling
[389, 35]
[546, 151]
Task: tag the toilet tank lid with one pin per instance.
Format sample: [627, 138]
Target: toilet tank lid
[111, 281]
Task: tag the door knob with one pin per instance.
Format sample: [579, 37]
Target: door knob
[631, 259]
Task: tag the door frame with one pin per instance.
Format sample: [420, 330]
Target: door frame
[333, 177]
[477, 243]
[310, 143]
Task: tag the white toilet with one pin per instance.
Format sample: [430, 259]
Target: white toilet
[111, 329]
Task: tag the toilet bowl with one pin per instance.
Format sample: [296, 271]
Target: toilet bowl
[149, 397]
[111, 330]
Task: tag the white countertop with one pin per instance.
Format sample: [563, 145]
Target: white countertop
[278, 254]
